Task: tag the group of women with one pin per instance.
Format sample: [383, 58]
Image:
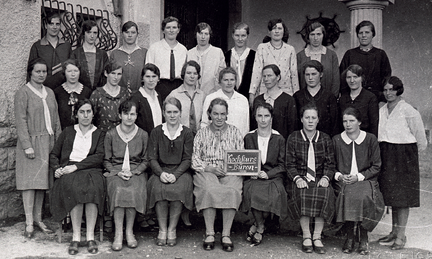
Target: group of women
[102, 132]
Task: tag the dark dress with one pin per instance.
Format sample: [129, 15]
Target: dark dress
[247, 73]
[85, 185]
[145, 116]
[361, 201]
[65, 104]
[131, 193]
[367, 103]
[285, 114]
[174, 157]
[267, 194]
[313, 201]
[99, 78]
[326, 103]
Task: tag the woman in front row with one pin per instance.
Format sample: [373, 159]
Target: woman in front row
[77, 159]
[213, 188]
[265, 193]
[310, 166]
[125, 162]
[170, 187]
[360, 204]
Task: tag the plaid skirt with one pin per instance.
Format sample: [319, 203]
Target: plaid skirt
[311, 202]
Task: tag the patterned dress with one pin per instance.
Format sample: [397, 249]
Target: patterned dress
[209, 150]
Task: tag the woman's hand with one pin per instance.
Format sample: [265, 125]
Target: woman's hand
[124, 175]
[348, 179]
[301, 183]
[69, 169]
[262, 175]
[58, 173]
[171, 178]
[323, 182]
[164, 177]
[29, 153]
[215, 170]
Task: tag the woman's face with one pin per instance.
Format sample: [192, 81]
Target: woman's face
[190, 76]
[53, 28]
[129, 118]
[365, 36]
[114, 77]
[270, 79]
[263, 118]
[203, 37]
[218, 115]
[150, 80]
[72, 74]
[240, 37]
[228, 83]
[130, 35]
[38, 74]
[351, 124]
[354, 81]
[310, 120]
[277, 32]
[90, 36]
[389, 93]
[312, 76]
[172, 114]
[171, 30]
[316, 37]
[85, 115]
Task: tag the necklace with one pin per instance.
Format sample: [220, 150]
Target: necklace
[275, 47]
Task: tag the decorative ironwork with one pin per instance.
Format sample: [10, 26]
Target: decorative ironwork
[72, 21]
[330, 25]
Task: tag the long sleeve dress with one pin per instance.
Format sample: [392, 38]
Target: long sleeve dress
[131, 193]
[313, 201]
[86, 184]
[209, 150]
[361, 201]
[267, 194]
[172, 156]
[32, 133]
[92, 67]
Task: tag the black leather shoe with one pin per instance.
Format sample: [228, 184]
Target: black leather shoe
[318, 249]
[92, 247]
[307, 249]
[389, 238]
[227, 247]
[43, 227]
[400, 246]
[209, 245]
[348, 246]
[73, 248]
[363, 248]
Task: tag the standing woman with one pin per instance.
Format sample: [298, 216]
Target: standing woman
[241, 58]
[285, 111]
[38, 126]
[131, 57]
[210, 58]
[401, 135]
[360, 98]
[70, 93]
[170, 187]
[360, 204]
[77, 159]
[126, 160]
[310, 167]
[265, 193]
[91, 59]
[148, 101]
[315, 35]
[108, 98]
[277, 52]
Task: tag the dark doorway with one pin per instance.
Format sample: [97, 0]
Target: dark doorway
[192, 12]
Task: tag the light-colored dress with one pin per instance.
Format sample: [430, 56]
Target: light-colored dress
[32, 133]
[209, 150]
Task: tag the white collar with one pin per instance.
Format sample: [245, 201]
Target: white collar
[148, 96]
[273, 132]
[166, 132]
[124, 50]
[79, 132]
[78, 90]
[314, 138]
[361, 137]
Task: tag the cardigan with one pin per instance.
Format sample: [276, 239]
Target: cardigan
[101, 61]
[247, 73]
[145, 116]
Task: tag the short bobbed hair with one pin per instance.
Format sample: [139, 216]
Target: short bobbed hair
[126, 106]
[191, 63]
[52, 16]
[151, 67]
[273, 67]
[86, 27]
[313, 27]
[263, 105]
[309, 106]
[272, 23]
[71, 61]
[227, 70]
[364, 24]
[33, 63]
[128, 25]
[313, 64]
[202, 26]
[239, 26]
[353, 112]
[112, 66]
[168, 20]
[173, 101]
[80, 104]
[397, 85]
[216, 101]
[355, 69]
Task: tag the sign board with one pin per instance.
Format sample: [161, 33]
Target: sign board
[242, 162]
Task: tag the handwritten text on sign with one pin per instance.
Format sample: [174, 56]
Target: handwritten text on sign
[242, 162]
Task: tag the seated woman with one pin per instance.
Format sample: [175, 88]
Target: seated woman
[170, 187]
[213, 188]
[125, 160]
[310, 166]
[360, 203]
[266, 193]
[77, 159]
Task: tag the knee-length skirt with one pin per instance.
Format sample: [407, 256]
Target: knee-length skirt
[399, 179]
[361, 201]
[79, 187]
[311, 202]
[265, 195]
[220, 193]
[127, 194]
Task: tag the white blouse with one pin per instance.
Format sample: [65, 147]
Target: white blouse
[82, 144]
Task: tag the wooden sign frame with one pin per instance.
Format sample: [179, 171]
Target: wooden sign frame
[242, 162]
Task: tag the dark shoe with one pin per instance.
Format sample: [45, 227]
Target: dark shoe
[172, 238]
[389, 238]
[363, 247]
[117, 245]
[161, 239]
[208, 245]
[348, 246]
[399, 246]
[251, 233]
[227, 247]
[307, 249]
[318, 249]
[29, 231]
[73, 248]
[131, 241]
[92, 247]
[43, 227]
[257, 238]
